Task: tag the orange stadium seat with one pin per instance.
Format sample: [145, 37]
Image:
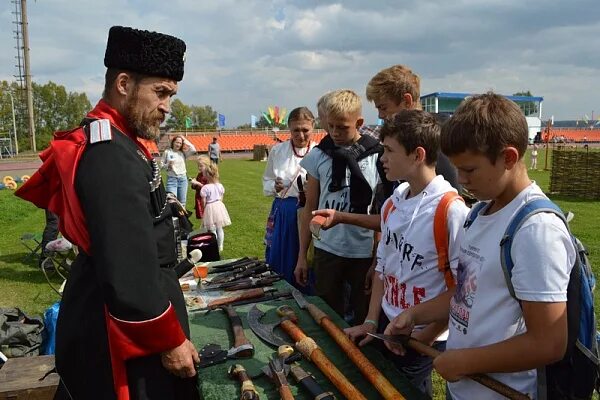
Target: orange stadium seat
[576, 135]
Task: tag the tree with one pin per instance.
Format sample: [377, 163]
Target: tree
[53, 108]
[200, 117]
[528, 107]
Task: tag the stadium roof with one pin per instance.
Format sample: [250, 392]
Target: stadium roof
[450, 95]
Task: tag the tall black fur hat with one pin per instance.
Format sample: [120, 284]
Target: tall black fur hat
[145, 52]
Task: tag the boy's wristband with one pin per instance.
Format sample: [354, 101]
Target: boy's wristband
[370, 321]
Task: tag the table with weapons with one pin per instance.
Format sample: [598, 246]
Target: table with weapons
[258, 337]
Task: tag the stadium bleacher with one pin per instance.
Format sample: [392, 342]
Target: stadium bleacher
[575, 135]
[237, 141]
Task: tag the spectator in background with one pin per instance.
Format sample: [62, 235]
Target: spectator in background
[534, 154]
[214, 151]
[197, 184]
[215, 216]
[284, 179]
[174, 161]
[50, 233]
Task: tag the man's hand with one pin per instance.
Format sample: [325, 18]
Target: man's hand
[331, 218]
[403, 324]
[301, 272]
[360, 331]
[180, 361]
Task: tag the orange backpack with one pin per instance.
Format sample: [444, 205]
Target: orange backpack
[440, 232]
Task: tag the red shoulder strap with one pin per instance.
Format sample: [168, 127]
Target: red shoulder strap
[388, 207]
[440, 235]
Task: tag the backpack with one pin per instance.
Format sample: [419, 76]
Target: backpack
[440, 232]
[576, 375]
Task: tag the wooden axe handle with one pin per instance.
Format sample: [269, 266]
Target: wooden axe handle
[483, 379]
[316, 355]
[369, 371]
[236, 325]
[285, 392]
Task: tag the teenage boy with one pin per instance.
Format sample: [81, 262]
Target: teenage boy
[490, 331]
[407, 270]
[398, 88]
[342, 174]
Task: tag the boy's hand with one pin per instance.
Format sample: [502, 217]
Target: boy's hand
[360, 331]
[403, 324]
[331, 218]
[301, 272]
[180, 361]
[448, 365]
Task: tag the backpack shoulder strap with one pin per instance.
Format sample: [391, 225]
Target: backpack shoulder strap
[387, 209]
[474, 213]
[530, 208]
[440, 235]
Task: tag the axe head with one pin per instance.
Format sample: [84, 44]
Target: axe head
[264, 331]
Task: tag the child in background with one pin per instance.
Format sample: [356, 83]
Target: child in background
[215, 214]
[534, 154]
[491, 331]
[198, 182]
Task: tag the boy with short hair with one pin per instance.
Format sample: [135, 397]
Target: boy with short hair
[407, 271]
[394, 89]
[342, 174]
[398, 88]
[490, 331]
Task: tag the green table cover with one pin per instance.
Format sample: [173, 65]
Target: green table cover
[214, 327]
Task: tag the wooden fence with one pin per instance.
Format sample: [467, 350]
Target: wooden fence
[576, 172]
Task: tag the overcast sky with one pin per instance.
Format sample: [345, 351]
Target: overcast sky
[244, 55]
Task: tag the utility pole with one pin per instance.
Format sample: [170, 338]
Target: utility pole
[12, 104]
[28, 87]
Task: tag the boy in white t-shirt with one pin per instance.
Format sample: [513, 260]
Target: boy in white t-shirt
[407, 270]
[490, 331]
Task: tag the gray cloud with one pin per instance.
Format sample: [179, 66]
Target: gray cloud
[245, 55]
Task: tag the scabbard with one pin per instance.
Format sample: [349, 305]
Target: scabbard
[250, 294]
[310, 384]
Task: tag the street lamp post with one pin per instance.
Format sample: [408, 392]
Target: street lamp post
[12, 105]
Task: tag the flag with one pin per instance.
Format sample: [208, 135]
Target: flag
[586, 119]
[221, 119]
[188, 122]
[253, 120]
[379, 122]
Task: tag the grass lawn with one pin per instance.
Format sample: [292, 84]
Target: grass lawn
[23, 285]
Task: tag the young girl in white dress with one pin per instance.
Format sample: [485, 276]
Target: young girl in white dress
[215, 213]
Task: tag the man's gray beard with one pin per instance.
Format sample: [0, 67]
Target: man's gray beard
[139, 127]
[144, 131]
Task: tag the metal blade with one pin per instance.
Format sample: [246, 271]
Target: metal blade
[396, 339]
[302, 303]
[263, 331]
